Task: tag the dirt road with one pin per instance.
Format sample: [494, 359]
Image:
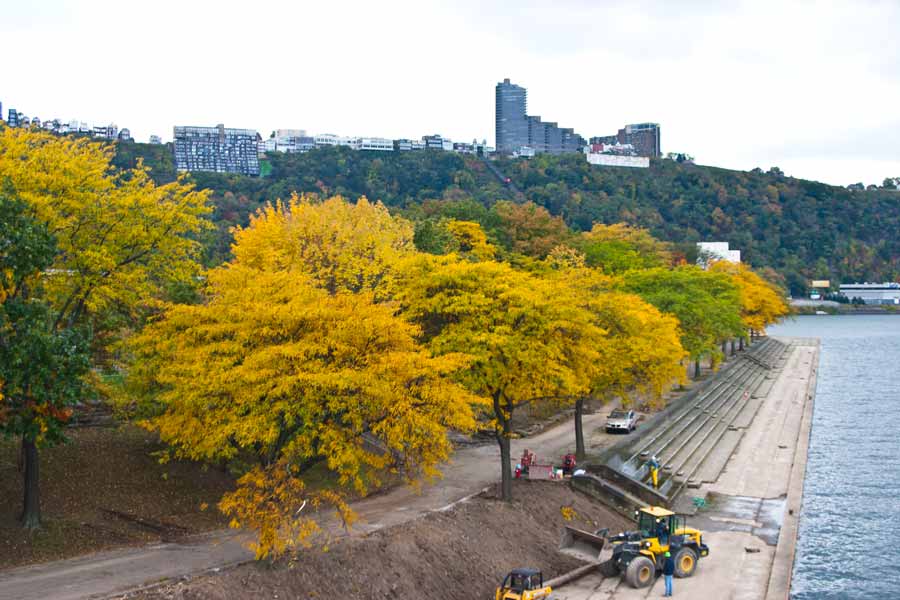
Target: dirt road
[107, 573]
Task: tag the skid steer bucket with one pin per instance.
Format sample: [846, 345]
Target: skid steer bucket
[581, 544]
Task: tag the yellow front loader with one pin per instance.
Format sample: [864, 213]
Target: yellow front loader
[523, 584]
[639, 555]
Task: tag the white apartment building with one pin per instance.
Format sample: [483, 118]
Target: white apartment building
[109, 132]
[267, 145]
[292, 140]
[281, 134]
[329, 139]
[378, 144]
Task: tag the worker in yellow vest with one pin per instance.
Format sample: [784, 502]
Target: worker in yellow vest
[653, 465]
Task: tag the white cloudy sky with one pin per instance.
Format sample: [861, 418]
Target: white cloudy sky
[813, 87]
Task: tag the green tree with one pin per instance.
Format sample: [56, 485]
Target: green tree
[706, 304]
[123, 243]
[433, 237]
[620, 247]
[41, 367]
[779, 222]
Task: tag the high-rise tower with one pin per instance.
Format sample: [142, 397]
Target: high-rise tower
[512, 125]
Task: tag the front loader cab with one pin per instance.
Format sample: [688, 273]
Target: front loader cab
[523, 584]
[657, 526]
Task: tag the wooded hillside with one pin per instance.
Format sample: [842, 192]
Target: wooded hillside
[803, 229]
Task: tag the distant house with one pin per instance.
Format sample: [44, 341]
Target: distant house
[710, 252]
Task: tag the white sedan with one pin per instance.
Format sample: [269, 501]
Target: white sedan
[621, 421]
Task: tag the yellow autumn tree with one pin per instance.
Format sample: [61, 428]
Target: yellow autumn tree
[122, 243]
[341, 245]
[641, 354]
[272, 365]
[529, 339]
[564, 257]
[121, 239]
[641, 351]
[762, 303]
[471, 240]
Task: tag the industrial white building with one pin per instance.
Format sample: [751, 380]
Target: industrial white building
[613, 160]
[873, 293]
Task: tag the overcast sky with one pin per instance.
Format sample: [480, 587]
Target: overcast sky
[812, 87]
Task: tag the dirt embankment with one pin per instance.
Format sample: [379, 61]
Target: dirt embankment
[459, 553]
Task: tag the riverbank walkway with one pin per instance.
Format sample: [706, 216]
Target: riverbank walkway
[744, 489]
[692, 438]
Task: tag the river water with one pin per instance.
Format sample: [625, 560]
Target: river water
[849, 544]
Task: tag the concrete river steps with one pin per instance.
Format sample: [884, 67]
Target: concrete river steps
[692, 438]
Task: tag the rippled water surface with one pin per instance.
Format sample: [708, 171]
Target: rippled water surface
[849, 544]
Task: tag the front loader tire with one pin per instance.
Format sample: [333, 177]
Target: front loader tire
[640, 572]
[685, 562]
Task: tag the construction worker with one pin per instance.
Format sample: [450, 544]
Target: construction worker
[526, 461]
[668, 572]
[568, 464]
[653, 465]
[662, 532]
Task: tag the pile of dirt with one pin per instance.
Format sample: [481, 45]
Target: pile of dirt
[463, 552]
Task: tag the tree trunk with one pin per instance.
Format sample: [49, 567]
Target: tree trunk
[724, 350]
[506, 468]
[31, 507]
[503, 433]
[579, 429]
[741, 344]
[697, 369]
[733, 351]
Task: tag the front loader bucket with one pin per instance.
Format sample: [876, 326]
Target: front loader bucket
[581, 544]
